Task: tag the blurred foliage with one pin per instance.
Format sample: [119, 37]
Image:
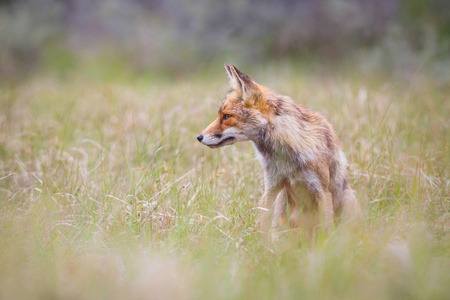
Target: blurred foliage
[180, 35]
[436, 12]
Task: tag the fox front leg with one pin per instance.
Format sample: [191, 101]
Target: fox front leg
[266, 207]
[317, 182]
[326, 212]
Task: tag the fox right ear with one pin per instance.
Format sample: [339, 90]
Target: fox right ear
[234, 80]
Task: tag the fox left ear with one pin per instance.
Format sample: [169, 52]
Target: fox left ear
[245, 85]
[234, 80]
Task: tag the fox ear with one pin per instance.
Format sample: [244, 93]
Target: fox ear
[244, 84]
[234, 80]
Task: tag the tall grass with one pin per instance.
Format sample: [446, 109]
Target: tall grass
[106, 194]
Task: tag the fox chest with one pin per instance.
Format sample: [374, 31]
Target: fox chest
[277, 165]
[281, 165]
[290, 170]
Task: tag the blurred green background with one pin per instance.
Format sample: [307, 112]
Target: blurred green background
[105, 192]
[397, 37]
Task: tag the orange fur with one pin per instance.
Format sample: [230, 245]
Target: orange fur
[298, 149]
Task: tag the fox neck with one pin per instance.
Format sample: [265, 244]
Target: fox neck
[264, 142]
[269, 146]
[277, 156]
[277, 161]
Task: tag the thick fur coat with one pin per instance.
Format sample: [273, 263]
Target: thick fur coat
[303, 163]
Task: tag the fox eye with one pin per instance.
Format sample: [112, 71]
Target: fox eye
[226, 116]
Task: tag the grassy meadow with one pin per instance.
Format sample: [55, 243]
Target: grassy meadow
[106, 193]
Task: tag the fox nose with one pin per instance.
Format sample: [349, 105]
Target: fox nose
[199, 137]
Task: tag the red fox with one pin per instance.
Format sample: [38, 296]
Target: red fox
[298, 149]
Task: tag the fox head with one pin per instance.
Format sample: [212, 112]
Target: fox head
[241, 115]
